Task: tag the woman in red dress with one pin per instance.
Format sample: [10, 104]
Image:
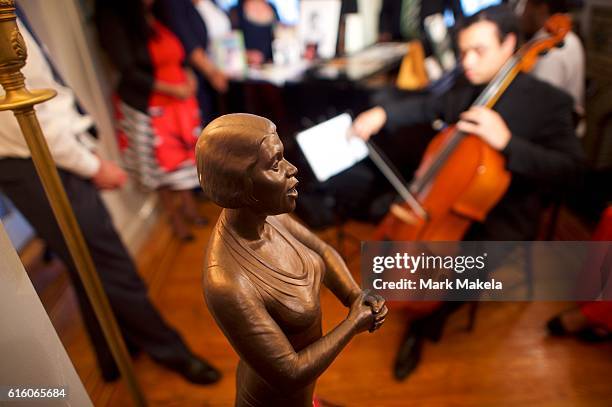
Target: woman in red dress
[158, 115]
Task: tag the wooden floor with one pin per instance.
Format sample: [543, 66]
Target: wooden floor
[507, 360]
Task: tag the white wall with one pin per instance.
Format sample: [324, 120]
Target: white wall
[31, 353]
[60, 24]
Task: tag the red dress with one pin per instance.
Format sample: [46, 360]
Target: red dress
[159, 145]
[175, 121]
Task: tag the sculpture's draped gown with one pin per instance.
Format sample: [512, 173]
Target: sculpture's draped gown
[289, 297]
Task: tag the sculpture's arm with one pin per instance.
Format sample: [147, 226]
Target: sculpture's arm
[240, 312]
[338, 278]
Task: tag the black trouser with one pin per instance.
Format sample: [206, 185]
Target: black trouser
[141, 324]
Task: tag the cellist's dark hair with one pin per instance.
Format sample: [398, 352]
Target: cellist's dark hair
[502, 16]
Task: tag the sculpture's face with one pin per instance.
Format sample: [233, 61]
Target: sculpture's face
[274, 179]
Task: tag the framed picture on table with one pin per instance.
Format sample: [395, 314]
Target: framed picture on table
[318, 27]
[229, 54]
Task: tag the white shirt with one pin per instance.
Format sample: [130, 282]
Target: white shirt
[59, 119]
[564, 68]
[216, 21]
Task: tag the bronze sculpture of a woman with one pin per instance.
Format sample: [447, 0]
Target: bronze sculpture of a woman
[263, 270]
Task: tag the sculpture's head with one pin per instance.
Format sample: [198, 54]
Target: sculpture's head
[240, 164]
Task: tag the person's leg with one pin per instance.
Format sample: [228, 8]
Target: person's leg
[426, 321]
[138, 319]
[408, 355]
[181, 126]
[127, 293]
[429, 318]
[19, 182]
[190, 208]
[174, 213]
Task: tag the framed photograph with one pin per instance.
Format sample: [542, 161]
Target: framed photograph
[229, 54]
[318, 27]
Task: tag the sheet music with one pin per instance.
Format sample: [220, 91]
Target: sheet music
[329, 150]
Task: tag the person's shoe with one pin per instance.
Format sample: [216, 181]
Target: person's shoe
[555, 327]
[186, 238]
[594, 335]
[194, 370]
[110, 375]
[409, 355]
[109, 371]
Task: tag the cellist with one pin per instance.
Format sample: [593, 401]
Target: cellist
[531, 126]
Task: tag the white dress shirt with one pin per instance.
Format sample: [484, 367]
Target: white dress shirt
[59, 119]
[217, 23]
[564, 68]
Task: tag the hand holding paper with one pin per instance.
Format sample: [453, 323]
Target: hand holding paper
[328, 149]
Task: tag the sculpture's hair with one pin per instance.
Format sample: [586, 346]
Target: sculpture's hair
[226, 153]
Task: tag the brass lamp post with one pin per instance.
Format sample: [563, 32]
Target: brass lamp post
[21, 101]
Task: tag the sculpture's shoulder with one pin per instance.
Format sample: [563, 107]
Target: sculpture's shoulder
[217, 253]
[222, 273]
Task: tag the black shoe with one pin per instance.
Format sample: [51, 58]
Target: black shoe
[555, 327]
[186, 238]
[592, 335]
[194, 370]
[110, 374]
[409, 355]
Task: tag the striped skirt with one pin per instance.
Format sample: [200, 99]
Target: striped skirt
[158, 148]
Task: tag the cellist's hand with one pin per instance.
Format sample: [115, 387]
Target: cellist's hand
[486, 124]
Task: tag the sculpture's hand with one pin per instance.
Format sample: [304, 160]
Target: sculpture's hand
[379, 309]
[360, 314]
[375, 301]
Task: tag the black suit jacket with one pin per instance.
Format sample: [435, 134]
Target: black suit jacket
[543, 153]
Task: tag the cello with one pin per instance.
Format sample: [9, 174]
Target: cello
[460, 178]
